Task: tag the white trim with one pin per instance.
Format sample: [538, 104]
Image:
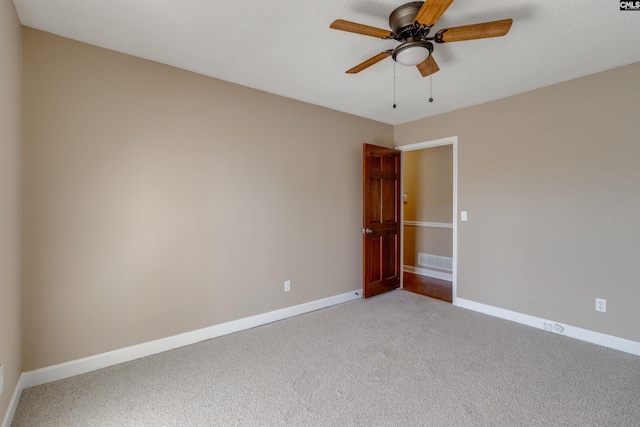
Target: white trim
[587, 335]
[13, 403]
[450, 140]
[428, 144]
[427, 224]
[454, 282]
[428, 272]
[99, 361]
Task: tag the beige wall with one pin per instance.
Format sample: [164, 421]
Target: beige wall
[428, 180]
[428, 177]
[551, 182]
[10, 145]
[158, 201]
[426, 240]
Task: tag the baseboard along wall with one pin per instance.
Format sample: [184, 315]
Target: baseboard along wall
[99, 361]
[593, 337]
[428, 272]
[88, 364]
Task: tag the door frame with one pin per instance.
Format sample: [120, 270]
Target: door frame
[452, 140]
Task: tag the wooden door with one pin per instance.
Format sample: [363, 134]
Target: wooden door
[381, 220]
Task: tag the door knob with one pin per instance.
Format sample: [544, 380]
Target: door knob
[367, 231]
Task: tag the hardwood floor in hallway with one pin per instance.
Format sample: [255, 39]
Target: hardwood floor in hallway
[428, 286]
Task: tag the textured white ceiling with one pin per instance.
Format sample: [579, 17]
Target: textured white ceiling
[286, 47]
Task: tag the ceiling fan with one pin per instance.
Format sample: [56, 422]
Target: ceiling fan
[410, 25]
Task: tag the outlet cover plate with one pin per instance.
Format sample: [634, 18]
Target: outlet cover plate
[601, 305]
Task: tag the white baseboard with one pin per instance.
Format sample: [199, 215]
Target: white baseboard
[427, 272]
[13, 403]
[99, 361]
[88, 364]
[593, 337]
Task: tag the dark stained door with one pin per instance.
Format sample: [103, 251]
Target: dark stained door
[381, 220]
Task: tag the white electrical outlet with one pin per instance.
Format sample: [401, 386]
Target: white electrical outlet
[557, 328]
[287, 285]
[547, 327]
[1, 378]
[601, 305]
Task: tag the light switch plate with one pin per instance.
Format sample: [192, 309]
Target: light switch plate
[463, 215]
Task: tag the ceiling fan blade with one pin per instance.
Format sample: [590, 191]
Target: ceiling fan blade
[428, 66]
[369, 62]
[431, 11]
[352, 27]
[474, 31]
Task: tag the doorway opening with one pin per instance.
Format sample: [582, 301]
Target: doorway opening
[429, 218]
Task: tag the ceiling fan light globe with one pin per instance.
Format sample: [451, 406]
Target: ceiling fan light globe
[413, 55]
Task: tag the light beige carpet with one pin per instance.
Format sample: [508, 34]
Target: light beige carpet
[398, 359]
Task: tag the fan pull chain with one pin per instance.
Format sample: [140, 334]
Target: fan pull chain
[394, 84]
[431, 88]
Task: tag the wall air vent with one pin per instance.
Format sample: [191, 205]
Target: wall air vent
[435, 261]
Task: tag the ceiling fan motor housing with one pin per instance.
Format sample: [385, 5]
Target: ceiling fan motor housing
[402, 18]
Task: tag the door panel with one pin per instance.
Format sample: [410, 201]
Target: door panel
[381, 220]
[374, 205]
[375, 259]
[390, 251]
[389, 193]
